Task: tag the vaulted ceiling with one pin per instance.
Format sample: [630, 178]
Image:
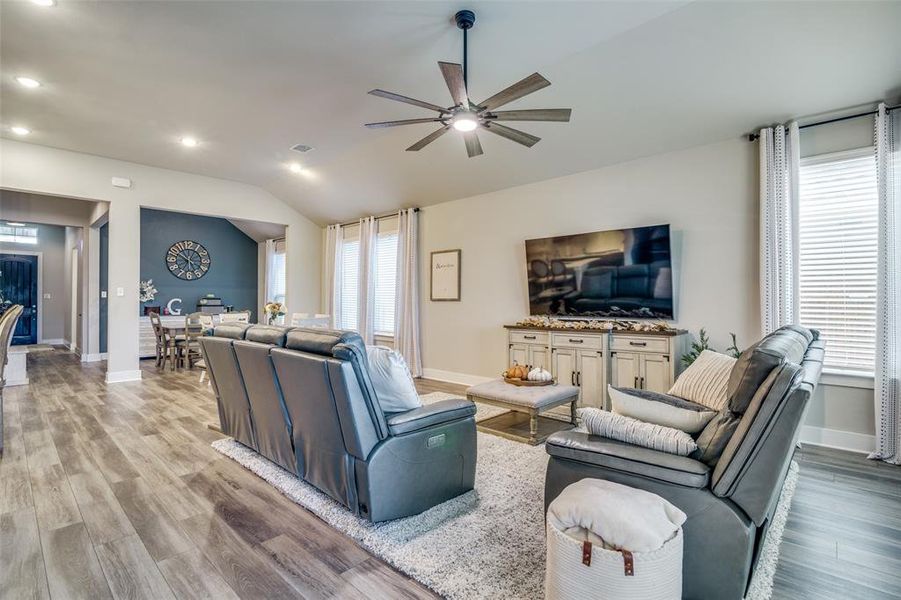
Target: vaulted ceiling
[251, 79]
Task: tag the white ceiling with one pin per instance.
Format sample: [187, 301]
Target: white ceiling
[251, 79]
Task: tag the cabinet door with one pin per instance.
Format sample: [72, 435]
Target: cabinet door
[538, 357]
[564, 363]
[591, 378]
[625, 368]
[519, 353]
[656, 373]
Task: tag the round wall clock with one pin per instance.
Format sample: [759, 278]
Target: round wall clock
[188, 260]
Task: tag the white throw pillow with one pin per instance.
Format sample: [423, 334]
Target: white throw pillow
[705, 380]
[625, 429]
[660, 409]
[392, 380]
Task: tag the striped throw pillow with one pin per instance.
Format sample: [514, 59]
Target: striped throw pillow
[632, 431]
[705, 380]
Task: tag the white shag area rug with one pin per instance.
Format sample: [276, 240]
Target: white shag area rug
[487, 543]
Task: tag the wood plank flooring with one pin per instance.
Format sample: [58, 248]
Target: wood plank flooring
[114, 492]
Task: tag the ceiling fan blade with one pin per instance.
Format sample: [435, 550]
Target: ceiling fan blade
[453, 76]
[538, 114]
[428, 139]
[407, 100]
[521, 137]
[404, 122]
[524, 87]
[473, 146]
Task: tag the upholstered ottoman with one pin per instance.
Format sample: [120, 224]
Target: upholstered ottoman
[524, 403]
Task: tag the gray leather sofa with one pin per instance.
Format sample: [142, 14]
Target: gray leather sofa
[729, 495]
[303, 399]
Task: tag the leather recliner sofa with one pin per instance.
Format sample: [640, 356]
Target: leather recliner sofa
[730, 501]
[303, 399]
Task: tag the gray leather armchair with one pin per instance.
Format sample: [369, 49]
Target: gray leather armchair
[303, 399]
[729, 495]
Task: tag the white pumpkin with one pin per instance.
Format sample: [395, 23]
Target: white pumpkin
[539, 374]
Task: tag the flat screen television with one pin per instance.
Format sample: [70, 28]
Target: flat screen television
[616, 274]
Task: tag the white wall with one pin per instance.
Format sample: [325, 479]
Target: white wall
[707, 194]
[39, 169]
[52, 246]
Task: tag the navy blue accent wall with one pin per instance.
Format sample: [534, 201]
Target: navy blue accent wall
[233, 270]
[104, 282]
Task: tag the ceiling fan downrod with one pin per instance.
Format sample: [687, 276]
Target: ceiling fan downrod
[465, 20]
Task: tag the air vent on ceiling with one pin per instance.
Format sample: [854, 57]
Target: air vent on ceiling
[301, 148]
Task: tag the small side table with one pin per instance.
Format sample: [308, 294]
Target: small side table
[525, 404]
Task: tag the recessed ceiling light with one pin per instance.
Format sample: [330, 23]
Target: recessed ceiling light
[295, 167]
[19, 130]
[189, 141]
[44, 2]
[28, 82]
[14, 224]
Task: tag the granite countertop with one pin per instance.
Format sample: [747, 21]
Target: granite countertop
[670, 333]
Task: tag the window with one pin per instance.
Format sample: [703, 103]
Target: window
[350, 282]
[385, 278]
[838, 222]
[18, 234]
[278, 284]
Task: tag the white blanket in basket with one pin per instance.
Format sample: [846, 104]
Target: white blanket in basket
[615, 516]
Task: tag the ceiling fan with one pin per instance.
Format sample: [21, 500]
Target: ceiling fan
[468, 117]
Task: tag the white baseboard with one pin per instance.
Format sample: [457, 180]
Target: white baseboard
[93, 357]
[55, 342]
[836, 438]
[122, 376]
[452, 377]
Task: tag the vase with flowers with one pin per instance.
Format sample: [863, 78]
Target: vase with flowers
[274, 310]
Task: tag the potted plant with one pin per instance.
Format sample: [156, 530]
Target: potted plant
[147, 293]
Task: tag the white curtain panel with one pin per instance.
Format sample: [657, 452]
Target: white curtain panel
[331, 273]
[270, 273]
[779, 169]
[366, 292]
[406, 311]
[888, 288]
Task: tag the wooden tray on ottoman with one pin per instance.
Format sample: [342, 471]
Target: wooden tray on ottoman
[527, 383]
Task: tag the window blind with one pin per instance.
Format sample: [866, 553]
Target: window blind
[838, 226]
[385, 280]
[350, 281]
[279, 276]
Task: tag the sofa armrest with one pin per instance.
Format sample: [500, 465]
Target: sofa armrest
[620, 456]
[429, 415]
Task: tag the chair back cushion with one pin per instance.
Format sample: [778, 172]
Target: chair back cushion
[786, 344]
[228, 385]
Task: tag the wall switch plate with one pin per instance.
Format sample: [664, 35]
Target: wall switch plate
[120, 291]
[46, 296]
[103, 294]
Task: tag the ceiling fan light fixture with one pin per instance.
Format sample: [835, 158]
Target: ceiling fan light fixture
[465, 122]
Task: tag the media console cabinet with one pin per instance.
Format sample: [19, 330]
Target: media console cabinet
[592, 358]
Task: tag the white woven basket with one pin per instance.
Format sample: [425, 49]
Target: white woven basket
[657, 574]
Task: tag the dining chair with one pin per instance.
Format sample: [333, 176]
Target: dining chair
[235, 317]
[190, 352]
[161, 342]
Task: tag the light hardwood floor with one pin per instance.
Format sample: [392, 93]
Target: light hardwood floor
[113, 491]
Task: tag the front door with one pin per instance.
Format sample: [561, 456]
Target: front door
[19, 285]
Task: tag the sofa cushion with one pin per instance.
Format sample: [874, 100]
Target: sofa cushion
[706, 380]
[619, 456]
[715, 437]
[648, 435]
[233, 331]
[787, 343]
[267, 334]
[660, 409]
[392, 380]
